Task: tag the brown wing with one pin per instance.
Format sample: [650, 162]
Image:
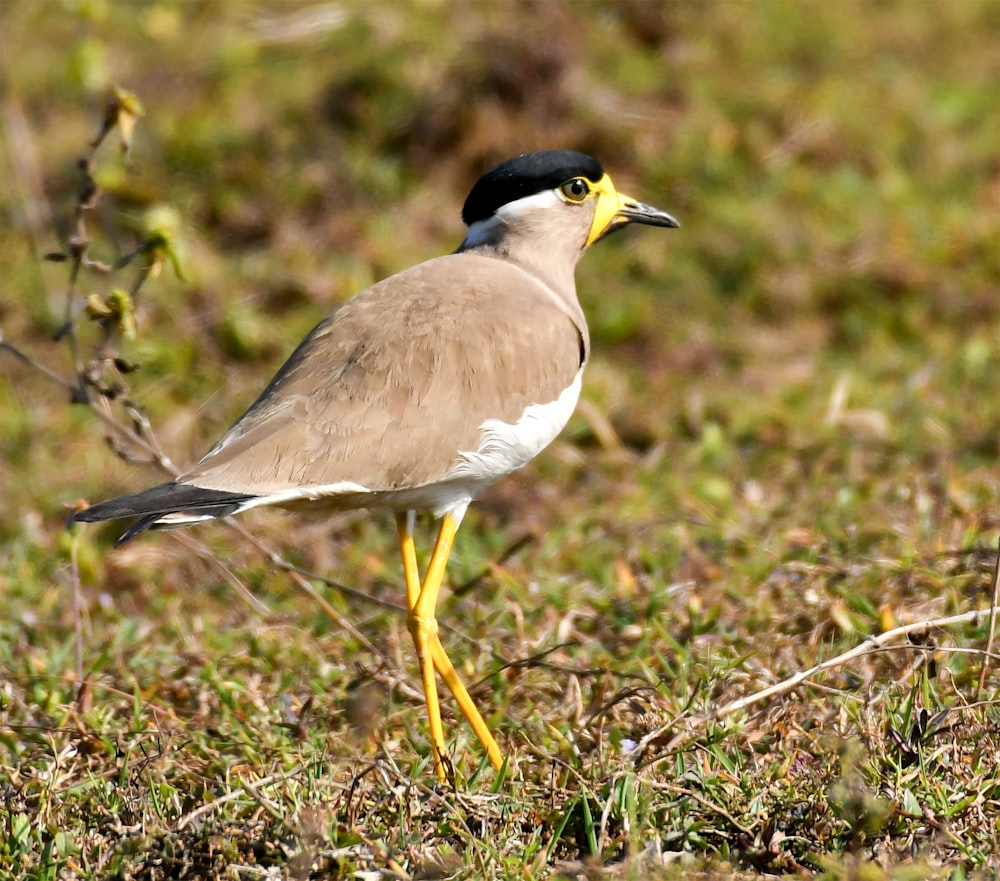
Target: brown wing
[386, 390]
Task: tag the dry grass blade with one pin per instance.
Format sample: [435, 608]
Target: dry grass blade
[253, 789]
[994, 601]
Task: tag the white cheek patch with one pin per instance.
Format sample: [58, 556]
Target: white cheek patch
[543, 201]
[491, 229]
[504, 448]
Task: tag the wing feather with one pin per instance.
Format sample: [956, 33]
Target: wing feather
[385, 391]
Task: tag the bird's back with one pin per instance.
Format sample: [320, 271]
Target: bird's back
[386, 392]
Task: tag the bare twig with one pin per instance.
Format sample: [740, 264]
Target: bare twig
[993, 621]
[28, 361]
[301, 578]
[74, 576]
[203, 552]
[101, 409]
[874, 643]
[880, 641]
[471, 584]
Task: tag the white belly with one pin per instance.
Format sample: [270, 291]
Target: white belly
[505, 447]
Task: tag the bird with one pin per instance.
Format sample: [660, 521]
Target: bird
[422, 390]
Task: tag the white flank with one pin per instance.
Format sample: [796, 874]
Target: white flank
[179, 519]
[296, 494]
[504, 447]
[305, 494]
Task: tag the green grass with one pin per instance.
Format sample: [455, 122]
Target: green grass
[800, 385]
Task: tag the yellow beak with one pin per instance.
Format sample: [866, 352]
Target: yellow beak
[614, 210]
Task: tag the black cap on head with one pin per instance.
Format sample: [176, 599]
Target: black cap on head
[526, 175]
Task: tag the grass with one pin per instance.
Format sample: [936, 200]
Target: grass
[787, 446]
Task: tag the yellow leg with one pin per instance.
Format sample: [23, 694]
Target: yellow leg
[423, 629]
[404, 528]
[443, 665]
[422, 603]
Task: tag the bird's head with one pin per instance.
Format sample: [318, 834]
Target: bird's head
[549, 204]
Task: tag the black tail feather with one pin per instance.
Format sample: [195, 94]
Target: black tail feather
[151, 505]
[140, 525]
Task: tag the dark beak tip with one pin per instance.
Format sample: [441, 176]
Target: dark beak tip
[662, 218]
[650, 216]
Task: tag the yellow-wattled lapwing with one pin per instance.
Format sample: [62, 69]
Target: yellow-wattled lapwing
[424, 389]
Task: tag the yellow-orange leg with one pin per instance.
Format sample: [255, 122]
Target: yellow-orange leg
[421, 600]
[420, 631]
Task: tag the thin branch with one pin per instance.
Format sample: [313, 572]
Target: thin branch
[74, 576]
[157, 457]
[873, 643]
[993, 622]
[35, 365]
[301, 578]
[880, 641]
[201, 550]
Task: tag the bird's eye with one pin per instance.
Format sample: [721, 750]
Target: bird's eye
[575, 190]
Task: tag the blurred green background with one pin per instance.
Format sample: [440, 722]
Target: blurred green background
[804, 373]
[835, 167]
